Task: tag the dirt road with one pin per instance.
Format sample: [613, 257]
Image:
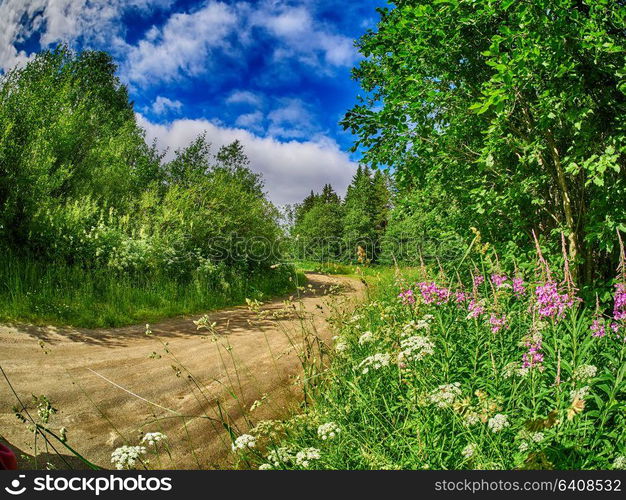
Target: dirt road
[111, 386]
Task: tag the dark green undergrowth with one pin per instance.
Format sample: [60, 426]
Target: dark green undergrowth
[60, 294]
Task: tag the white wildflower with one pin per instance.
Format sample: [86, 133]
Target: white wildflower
[619, 463]
[412, 326]
[585, 372]
[523, 446]
[445, 395]
[152, 438]
[472, 418]
[579, 393]
[498, 422]
[329, 430]
[280, 456]
[243, 442]
[265, 467]
[304, 457]
[126, 457]
[415, 348]
[341, 346]
[366, 337]
[537, 437]
[374, 362]
[469, 451]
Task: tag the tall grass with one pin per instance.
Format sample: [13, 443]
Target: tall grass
[59, 294]
[432, 373]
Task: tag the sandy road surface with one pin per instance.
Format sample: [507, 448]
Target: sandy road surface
[252, 356]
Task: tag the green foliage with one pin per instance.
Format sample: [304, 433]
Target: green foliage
[325, 228]
[425, 385]
[81, 190]
[60, 294]
[512, 112]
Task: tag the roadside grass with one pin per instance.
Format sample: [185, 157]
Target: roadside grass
[432, 373]
[40, 293]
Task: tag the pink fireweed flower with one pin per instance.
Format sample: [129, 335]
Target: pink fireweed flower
[475, 309]
[619, 302]
[533, 357]
[407, 297]
[498, 280]
[550, 303]
[461, 296]
[479, 280]
[598, 329]
[432, 293]
[519, 288]
[497, 323]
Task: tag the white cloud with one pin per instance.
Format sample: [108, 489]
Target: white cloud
[96, 24]
[303, 38]
[290, 169]
[244, 97]
[182, 46]
[252, 121]
[291, 120]
[163, 105]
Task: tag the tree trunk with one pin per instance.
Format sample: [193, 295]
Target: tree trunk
[570, 222]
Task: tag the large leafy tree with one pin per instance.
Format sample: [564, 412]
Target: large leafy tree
[516, 110]
[68, 138]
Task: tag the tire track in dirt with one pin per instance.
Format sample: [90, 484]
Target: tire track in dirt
[250, 356]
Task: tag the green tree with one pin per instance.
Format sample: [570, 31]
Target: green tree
[318, 227]
[70, 150]
[515, 109]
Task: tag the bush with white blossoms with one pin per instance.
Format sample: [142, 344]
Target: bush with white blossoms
[244, 442]
[498, 422]
[415, 348]
[374, 362]
[329, 430]
[304, 457]
[445, 395]
[152, 438]
[127, 457]
[366, 337]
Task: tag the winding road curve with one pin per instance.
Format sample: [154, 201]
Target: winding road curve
[112, 385]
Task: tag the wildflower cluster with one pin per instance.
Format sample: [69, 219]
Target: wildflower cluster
[374, 362]
[244, 442]
[127, 457]
[329, 430]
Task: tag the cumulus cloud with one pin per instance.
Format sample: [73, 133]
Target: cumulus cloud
[95, 24]
[302, 36]
[252, 121]
[182, 46]
[163, 105]
[291, 169]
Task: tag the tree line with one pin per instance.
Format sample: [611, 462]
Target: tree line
[80, 186]
[507, 116]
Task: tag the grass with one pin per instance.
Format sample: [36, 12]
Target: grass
[70, 295]
[424, 385]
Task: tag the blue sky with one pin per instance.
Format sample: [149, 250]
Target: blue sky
[274, 74]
